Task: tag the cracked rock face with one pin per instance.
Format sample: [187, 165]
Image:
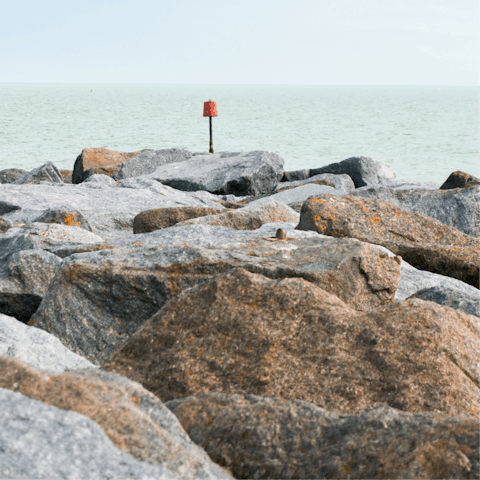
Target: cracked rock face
[44, 173]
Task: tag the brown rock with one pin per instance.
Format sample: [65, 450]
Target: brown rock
[459, 179]
[257, 437]
[5, 224]
[328, 183]
[229, 204]
[64, 217]
[67, 175]
[243, 333]
[158, 218]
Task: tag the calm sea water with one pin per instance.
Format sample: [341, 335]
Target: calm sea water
[423, 133]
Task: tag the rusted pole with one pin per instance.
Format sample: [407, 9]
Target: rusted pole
[211, 136]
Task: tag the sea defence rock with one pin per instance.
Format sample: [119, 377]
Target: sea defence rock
[44, 173]
[149, 160]
[63, 217]
[339, 182]
[5, 224]
[159, 218]
[135, 420]
[37, 348]
[422, 241]
[296, 175]
[101, 161]
[244, 333]
[257, 437]
[11, 174]
[66, 175]
[363, 170]
[457, 207]
[98, 299]
[41, 441]
[241, 173]
[459, 179]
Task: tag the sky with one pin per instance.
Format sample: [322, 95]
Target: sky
[286, 42]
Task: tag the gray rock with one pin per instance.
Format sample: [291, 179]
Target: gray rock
[150, 160]
[457, 207]
[342, 182]
[406, 184]
[45, 173]
[363, 170]
[100, 179]
[258, 437]
[241, 173]
[37, 347]
[42, 441]
[11, 174]
[295, 175]
[62, 217]
[7, 207]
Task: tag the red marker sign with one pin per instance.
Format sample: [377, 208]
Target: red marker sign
[210, 110]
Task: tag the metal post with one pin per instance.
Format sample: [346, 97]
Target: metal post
[211, 136]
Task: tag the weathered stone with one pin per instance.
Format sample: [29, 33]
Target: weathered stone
[260, 437]
[5, 224]
[11, 174]
[8, 207]
[422, 241]
[339, 182]
[66, 175]
[242, 173]
[135, 421]
[227, 204]
[99, 179]
[459, 179]
[159, 218]
[250, 217]
[42, 441]
[457, 207]
[149, 160]
[37, 347]
[100, 158]
[107, 171]
[98, 299]
[45, 173]
[63, 217]
[363, 170]
[244, 333]
[296, 175]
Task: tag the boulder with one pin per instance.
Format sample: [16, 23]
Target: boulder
[339, 182]
[362, 170]
[45, 173]
[41, 441]
[457, 207]
[100, 180]
[63, 217]
[99, 299]
[423, 241]
[257, 437]
[134, 420]
[5, 224]
[66, 175]
[296, 175]
[11, 174]
[37, 348]
[101, 159]
[241, 173]
[159, 218]
[149, 160]
[244, 333]
[459, 179]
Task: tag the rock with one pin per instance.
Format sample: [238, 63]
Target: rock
[135, 420]
[243, 333]
[66, 175]
[99, 179]
[362, 170]
[250, 217]
[7, 207]
[242, 173]
[459, 179]
[260, 437]
[340, 182]
[11, 174]
[5, 224]
[451, 298]
[159, 218]
[422, 241]
[101, 159]
[62, 217]
[107, 171]
[99, 299]
[149, 160]
[227, 204]
[37, 348]
[296, 175]
[42, 441]
[45, 173]
[457, 207]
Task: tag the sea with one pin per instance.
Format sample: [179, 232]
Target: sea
[423, 133]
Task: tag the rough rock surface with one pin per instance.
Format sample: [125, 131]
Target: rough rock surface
[66, 175]
[63, 217]
[42, 441]
[99, 179]
[296, 175]
[244, 333]
[423, 241]
[241, 173]
[259, 437]
[340, 182]
[459, 179]
[149, 160]
[159, 218]
[100, 158]
[134, 419]
[45, 173]
[457, 207]
[363, 170]
[37, 347]
[98, 299]
[5, 224]
[11, 174]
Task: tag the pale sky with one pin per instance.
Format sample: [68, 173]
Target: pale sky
[311, 42]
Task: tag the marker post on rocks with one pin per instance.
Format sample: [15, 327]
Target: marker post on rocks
[210, 110]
